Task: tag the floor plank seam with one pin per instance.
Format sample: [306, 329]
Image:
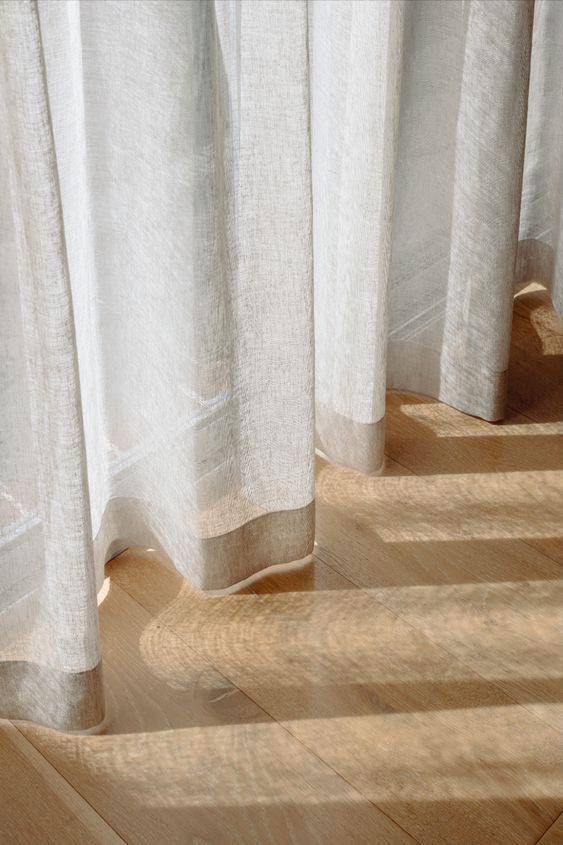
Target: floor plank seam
[544, 554]
[72, 786]
[281, 724]
[551, 826]
[443, 648]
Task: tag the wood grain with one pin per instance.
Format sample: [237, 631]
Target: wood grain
[418, 653]
[190, 758]
[402, 686]
[554, 836]
[447, 557]
[37, 805]
[535, 375]
[373, 697]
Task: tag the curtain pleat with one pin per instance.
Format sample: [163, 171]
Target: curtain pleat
[356, 54]
[489, 158]
[226, 228]
[49, 630]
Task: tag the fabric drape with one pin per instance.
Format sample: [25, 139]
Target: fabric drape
[226, 228]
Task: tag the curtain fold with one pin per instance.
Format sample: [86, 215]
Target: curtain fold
[226, 228]
[49, 628]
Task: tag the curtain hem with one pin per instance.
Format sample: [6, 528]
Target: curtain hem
[348, 442]
[67, 701]
[413, 368]
[270, 539]
[481, 393]
[210, 563]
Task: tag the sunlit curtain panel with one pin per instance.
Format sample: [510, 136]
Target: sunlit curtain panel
[226, 228]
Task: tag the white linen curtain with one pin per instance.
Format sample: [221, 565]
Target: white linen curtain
[180, 182]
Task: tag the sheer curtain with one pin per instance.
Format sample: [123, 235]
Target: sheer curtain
[223, 225]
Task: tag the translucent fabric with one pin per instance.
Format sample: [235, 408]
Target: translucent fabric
[220, 223]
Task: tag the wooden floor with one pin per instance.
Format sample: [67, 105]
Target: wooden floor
[403, 686]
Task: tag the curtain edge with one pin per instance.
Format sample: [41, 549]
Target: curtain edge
[346, 441]
[212, 563]
[268, 540]
[67, 701]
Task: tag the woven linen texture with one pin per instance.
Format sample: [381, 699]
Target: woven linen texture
[226, 228]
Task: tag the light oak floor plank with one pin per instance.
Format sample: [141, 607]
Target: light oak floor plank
[403, 685]
[431, 438]
[467, 543]
[491, 461]
[449, 559]
[423, 736]
[554, 836]
[416, 652]
[37, 805]
[188, 757]
[535, 374]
